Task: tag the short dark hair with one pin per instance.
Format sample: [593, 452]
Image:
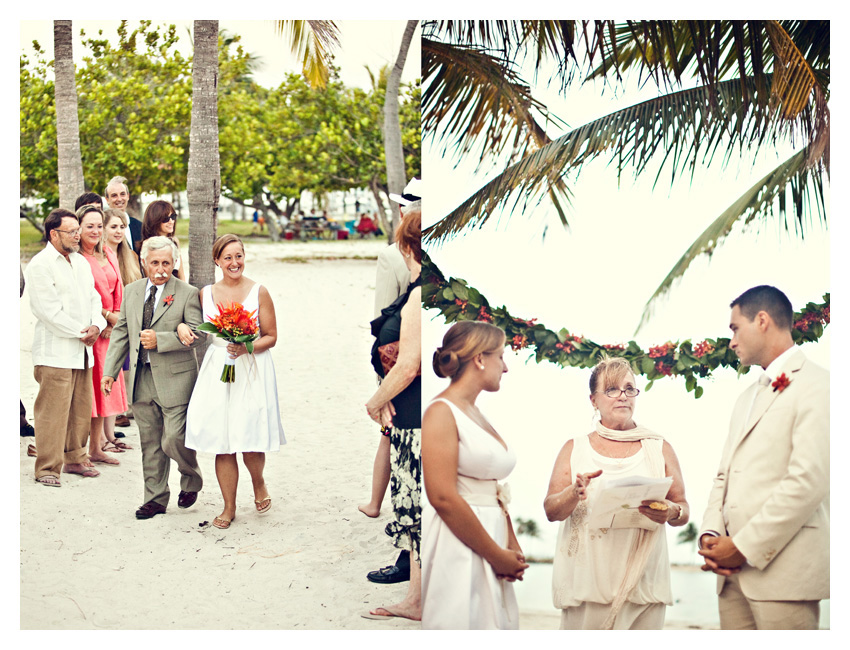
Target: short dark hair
[53, 221]
[768, 299]
[88, 197]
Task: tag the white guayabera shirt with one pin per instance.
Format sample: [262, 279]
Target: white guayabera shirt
[65, 302]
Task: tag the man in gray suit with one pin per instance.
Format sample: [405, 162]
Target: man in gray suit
[162, 372]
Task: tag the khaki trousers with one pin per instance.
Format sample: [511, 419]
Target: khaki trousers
[62, 418]
[737, 612]
[162, 432]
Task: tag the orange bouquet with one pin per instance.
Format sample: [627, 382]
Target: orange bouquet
[234, 324]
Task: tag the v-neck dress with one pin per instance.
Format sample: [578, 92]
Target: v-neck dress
[460, 590]
[225, 418]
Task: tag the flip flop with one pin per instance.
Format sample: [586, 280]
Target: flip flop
[50, 480]
[31, 451]
[263, 508]
[121, 445]
[221, 522]
[111, 447]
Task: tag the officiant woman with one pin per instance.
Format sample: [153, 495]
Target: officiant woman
[612, 578]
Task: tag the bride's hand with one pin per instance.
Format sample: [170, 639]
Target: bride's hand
[236, 350]
[509, 564]
[185, 334]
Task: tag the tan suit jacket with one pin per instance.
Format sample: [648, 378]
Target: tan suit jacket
[771, 493]
[173, 365]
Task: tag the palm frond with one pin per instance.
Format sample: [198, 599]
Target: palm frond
[805, 185]
[677, 125]
[470, 92]
[312, 42]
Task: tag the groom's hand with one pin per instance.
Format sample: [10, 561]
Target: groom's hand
[721, 555]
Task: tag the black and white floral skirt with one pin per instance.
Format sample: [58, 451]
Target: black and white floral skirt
[405, 489]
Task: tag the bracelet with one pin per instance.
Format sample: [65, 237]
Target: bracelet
[678, 515]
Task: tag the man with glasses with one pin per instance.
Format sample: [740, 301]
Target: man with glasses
[68, 312]
[117, 197]
[766, 526]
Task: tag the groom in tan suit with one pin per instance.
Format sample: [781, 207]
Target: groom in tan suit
[162, 372]
[766, 527]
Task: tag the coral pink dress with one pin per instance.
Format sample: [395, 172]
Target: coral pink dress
[107, 282]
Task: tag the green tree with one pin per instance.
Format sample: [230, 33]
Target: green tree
[758, 84]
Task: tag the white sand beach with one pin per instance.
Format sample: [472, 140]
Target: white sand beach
[87, 563]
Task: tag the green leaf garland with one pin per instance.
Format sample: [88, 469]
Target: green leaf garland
[457, 301]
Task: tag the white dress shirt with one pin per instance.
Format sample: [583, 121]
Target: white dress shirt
[66, 304]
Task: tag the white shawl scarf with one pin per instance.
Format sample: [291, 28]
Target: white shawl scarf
[645, 540]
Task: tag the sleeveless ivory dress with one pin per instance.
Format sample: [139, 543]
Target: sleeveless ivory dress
[589, 563]
[460, 590]
[225, 418]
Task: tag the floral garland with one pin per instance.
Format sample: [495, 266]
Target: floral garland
[456, 301]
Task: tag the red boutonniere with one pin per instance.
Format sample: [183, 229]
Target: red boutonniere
[169, 299]
[780, 383]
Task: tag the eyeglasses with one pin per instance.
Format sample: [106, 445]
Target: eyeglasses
[615, 393]
[172, 217]
[69, 232]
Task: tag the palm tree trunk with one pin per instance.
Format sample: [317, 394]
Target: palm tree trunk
[71, 183]
[203, 182]
[396, 178]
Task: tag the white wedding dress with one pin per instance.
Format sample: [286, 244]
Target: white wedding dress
[225, 418]
[460, 590]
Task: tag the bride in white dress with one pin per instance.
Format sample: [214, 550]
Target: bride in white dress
[470, 553]
[226, 418]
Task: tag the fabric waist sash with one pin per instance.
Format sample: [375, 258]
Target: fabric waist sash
[484, 492]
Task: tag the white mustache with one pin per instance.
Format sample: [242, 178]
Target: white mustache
[159, 276]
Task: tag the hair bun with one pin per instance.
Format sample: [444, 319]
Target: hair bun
[445, 364]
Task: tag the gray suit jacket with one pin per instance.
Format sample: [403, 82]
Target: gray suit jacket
[173, 365]
[773, 487]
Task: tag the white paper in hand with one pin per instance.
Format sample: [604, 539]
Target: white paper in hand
[616, 502]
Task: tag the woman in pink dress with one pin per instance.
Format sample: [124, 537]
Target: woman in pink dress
[107, 282]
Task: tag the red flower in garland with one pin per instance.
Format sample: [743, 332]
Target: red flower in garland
[701, 349]
[168, 299]
[461, 303]
[661, 350]
[664, 369]
[781, 383]
[566, 346]
[518, 342]
[484, 315]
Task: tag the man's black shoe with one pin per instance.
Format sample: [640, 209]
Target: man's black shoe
[388, 575]
[27, 430]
